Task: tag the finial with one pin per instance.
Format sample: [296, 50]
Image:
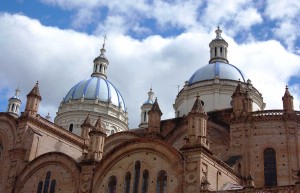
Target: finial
[197, 95]
[17, 92]
[286, 87]
[104, 38]
[218, 32]
[102, 50]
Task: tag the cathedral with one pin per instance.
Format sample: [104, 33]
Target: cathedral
[221, 138]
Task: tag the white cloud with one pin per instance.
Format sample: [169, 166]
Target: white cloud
[113, 25]
[282, 9]
[248, 18]
[61, 58]
[286, 15]
[237, 15]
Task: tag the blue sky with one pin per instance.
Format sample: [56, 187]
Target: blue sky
[55, 41]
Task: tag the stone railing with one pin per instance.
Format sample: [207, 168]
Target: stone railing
[268, 113]
[278, 189]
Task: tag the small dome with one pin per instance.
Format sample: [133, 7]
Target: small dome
[217, 69]
[96, 87]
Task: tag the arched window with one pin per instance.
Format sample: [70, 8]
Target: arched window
[145, 181]
[127, 182]
[145, 116]
[112, 184]
[270, 167]
[112, 131]
[47, 182]
[1, 151]
[137, 172]
[161, 185]
[71, 127]
[40, 187]
[52, 186]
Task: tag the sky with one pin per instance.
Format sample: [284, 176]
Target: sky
[150, 43]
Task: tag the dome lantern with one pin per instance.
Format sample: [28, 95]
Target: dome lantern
[14, 104]
[218, 48]
[101, 63]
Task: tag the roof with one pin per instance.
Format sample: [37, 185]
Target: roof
[96, 88]
[217, 69]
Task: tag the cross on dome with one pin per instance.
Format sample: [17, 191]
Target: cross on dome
[218, 33]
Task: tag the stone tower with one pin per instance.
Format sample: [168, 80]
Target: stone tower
[33, 100]
[241, 101]
[154, 118]
[197, 124]
[96, 146]
[288, 101]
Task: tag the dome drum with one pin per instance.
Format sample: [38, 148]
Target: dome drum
[111, 124]
[216, 95]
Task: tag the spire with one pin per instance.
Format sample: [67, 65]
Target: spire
[239, 90]
[155, 106]
[35, 91]
[288, 101]
[197, 107]
[154, 118]
[14, 104]
[250, 181]
[33, 100]
[218, 48]
[287, 93]
[98, 126]
[87, 121]
[101, 63]
[86, 127]
[241, 101]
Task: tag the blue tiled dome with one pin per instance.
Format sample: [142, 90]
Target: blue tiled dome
[96, 87]
[217, 69]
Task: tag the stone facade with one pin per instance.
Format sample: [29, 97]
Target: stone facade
[196, 153]
[232, 149]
